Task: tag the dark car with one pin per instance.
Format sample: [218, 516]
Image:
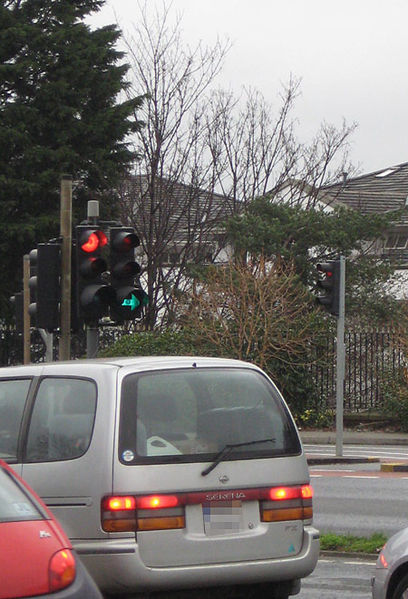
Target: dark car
[36, 556]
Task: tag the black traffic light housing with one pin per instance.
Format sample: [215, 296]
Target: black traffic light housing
[129, 298]
[329, 283]
[44, 283]
[93, 295]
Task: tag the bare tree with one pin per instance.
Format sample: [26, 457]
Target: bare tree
[204, 154]
[164, 200]
[254, 311]
[255, 149]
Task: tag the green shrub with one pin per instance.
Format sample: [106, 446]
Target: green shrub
[316, 418]
[394, 391]
[150, 343]
[298, 387]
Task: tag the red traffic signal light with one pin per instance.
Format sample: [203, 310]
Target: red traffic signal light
[91, 240]
[329, 283]
[93, 295]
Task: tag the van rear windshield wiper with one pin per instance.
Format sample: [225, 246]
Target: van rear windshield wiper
[226, 450]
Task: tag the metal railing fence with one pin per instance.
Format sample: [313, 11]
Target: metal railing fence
[370, 356]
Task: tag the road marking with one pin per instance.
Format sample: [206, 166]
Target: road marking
[359, 476]
[355, 562]
[360, 563]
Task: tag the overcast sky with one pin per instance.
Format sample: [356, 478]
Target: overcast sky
[350, 54]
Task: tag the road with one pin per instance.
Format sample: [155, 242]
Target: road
[382, 452]
[333, 578]
[339, 578]
[359, 498]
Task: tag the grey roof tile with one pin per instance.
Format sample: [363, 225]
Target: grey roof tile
[380, 191]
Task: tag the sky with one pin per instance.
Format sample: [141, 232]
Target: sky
[351, 57]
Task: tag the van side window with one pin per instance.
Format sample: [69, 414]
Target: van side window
[62, 420]
[13, 395]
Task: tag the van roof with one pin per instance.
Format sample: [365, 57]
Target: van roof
[139, 362]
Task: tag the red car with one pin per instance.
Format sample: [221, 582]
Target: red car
[36, 556]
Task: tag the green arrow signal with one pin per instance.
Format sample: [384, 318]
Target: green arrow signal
[133, 302]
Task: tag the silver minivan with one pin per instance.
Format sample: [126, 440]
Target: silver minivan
[166, 472]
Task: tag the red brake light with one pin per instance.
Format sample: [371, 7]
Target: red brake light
[121, 503]
[62, 570]
[280, 493]
[157, 501]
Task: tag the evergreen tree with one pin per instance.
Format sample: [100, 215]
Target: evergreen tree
[60, 112]
[305, 237]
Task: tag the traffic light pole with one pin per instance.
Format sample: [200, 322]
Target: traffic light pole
[26, 315]
[340, 360]
[66, 235]
[48, 339]
[92, 331]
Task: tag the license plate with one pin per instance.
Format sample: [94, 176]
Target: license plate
[222, 517]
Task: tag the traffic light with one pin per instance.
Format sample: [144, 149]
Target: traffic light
[93, 295]
[129, 298]
[329, 283]
[44, 283]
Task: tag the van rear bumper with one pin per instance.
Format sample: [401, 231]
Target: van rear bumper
[116, 566]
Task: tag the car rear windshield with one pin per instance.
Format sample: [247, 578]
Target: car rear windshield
[192, 414]
[15, 504]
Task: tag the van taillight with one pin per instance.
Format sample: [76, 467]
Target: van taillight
[119, 513]
[148, 512]
[116, 504]
[157, 501]
[288, 503]
[133, 513]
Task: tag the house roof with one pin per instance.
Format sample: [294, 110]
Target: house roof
[175, 210]
[381, 191]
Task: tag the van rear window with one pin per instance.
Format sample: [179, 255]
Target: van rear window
[191, 414]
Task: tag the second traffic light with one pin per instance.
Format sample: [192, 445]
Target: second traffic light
[129, 298]
[94, 296]
[45, 273]
[329, 283]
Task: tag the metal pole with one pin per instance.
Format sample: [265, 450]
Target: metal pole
[48, 339]
[92, 341]
[26, 314]
[92, 330]
[340, 360]
[66, 235]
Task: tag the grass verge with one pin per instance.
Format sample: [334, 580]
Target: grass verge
[352, 544]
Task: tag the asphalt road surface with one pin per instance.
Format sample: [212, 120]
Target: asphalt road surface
[333, 578]
[359, 499]
[339, 578]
